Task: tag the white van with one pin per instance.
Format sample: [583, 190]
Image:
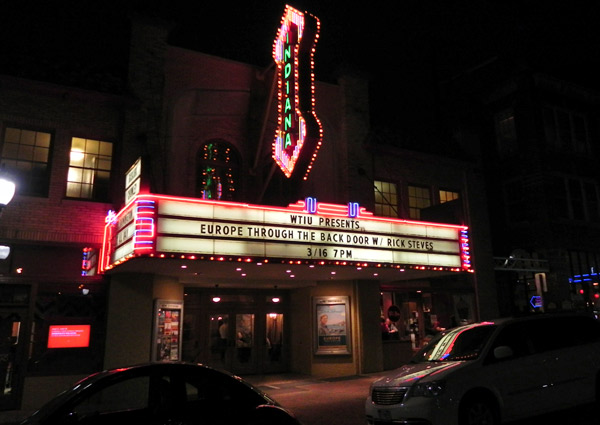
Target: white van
[493, 372]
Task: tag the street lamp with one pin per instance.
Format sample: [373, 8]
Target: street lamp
[7, 191]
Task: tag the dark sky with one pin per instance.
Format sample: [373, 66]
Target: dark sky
[394, 40]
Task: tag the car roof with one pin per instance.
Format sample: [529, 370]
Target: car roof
[537, 316]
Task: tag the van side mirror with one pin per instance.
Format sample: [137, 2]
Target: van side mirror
[503, 352]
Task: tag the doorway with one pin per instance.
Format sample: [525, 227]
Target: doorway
[240, 333]
[12, 344]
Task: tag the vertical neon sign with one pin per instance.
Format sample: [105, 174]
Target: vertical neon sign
[299, 134]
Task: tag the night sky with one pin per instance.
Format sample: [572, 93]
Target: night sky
[396, 43]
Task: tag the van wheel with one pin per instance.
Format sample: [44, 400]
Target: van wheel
[478, 411]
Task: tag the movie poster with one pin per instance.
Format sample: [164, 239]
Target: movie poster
[332, 325]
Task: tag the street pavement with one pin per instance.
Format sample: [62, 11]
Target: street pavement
[340, 401]
[336, 401]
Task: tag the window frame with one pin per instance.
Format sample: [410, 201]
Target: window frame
[556, 135]
[235, 168]
[388, 207]
[411, 207]
[97, 192]
[505, 129]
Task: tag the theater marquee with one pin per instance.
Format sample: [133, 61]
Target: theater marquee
[308, 231]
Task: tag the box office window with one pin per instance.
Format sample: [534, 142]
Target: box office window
[26, 155]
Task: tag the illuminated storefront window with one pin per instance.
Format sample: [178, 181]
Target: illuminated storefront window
[25, 154]
[89, 169]
[218, 170]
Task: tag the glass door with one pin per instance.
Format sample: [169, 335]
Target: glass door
[219, 355]
[231, 342]
[244, 359]
[239, 333]
[11, 344]
[274, 355]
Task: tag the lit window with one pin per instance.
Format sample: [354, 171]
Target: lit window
[447, 196]
[89, 169]
[218, 170]
[386, 199]
[418, 199]
[25, 154]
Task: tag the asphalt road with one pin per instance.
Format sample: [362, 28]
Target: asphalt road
[324, 402]
[341, 402]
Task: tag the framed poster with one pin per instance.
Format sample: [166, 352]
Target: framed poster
[166, 340]
[332, 325]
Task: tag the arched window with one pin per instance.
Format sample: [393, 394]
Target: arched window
[218, 171]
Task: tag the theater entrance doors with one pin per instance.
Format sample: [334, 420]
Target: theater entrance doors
[240, 333]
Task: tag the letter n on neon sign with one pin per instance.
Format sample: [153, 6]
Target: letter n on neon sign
[298, 136]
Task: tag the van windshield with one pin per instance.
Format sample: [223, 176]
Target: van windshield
[462, 343]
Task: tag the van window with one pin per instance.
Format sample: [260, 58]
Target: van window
[556, 333]
[515, 337]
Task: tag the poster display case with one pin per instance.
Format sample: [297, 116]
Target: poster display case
[166, 340]
[332, 325]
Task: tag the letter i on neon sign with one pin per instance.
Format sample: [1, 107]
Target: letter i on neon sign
[298, 136]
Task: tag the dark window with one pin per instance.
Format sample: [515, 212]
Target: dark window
[419, 197]
[506, 132]
[26, 156]
[515, 201]
[386, 198]
[557, 198]
[512, 336]
[566, 130]
[576, 197]
[591, 201]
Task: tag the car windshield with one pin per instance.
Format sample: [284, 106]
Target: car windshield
[462, 343]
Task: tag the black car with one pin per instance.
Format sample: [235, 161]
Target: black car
[160, 394]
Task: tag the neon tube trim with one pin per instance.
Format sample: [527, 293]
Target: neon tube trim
[299, 132]
[139, 219]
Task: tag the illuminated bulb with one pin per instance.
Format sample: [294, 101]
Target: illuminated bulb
[216, 299]
[76, 155]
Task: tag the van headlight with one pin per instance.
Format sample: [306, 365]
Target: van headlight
[428, 389]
